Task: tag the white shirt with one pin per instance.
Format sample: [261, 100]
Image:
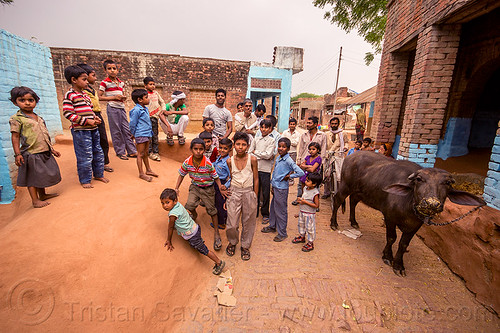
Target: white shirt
[294, 139]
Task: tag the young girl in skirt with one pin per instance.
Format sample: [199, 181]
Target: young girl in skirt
[32, 148]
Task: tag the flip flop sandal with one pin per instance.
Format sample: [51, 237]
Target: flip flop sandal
[230, 249]
[122, 157]
[221, 226]
[217, 245]
[132, 155]
[218, 268]
[170, 140]
[245, 254]
[182, 140]
[108, 169]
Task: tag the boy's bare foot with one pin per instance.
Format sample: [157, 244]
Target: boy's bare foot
[46, 196]
[151, 173]
[40, 204]
[102, 179]
[146, 178]
[88, 185]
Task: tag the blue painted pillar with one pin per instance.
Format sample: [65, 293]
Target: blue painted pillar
[274, 106]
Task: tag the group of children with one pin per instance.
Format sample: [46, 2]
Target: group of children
[231, 188]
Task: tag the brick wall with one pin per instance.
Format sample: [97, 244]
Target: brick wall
[197, 77]
[492, 182]
[28, 64]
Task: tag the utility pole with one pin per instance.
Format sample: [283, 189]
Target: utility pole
[337, 84]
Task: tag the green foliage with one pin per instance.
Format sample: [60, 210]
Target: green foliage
[368, 17]
[304, 95]
[6, 2]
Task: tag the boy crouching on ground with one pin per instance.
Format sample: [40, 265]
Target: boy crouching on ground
[179, 218]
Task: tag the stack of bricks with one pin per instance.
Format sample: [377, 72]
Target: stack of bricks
[492, 182]
[24, 63]
[198, 78]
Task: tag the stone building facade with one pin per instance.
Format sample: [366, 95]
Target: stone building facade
[438, 77]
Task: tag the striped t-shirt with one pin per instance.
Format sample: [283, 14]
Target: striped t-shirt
[111, 88]
[77, 108]
[203, 175]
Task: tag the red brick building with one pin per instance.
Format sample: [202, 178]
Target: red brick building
[198, 78]
[438, 83]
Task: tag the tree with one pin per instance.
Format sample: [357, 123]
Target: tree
[368, 17]
[6, 2]
[304, 95]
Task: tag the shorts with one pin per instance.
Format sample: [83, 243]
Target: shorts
[198, 243]
[142, 139]
[203, 194]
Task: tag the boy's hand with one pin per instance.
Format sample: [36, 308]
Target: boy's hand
[19, 160]
[299, 200]
[177, 191]
[296, 215]
[224, 191]
[169, 245]
[56, 153]
[287, 177]
[90, 122]
[97, 120]
[132, 138]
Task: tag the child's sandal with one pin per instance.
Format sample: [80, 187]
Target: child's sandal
[299, 239]
[245, 254]
[218, 268]
[230, 249]
[170, 140]
[308, 247]
[182, 140]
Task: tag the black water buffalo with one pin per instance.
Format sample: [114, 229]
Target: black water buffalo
[407, 194]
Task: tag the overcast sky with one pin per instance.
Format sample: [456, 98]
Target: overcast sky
[224, 29]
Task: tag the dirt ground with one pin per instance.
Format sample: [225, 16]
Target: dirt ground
[94, 261]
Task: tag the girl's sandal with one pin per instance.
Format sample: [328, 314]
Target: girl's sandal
[245, 254]
[308, 247]
[170, 140]
[230, 250]
[299, 239]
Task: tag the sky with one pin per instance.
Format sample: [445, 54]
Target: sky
[224, 29]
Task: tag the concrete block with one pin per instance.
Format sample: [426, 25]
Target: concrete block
[494, 175]
[495, 158]
[490, 182]
[494, 192]
[496, 149]
[497, 140]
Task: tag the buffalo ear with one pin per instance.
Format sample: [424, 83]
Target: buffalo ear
[465, 198]
[398, 189]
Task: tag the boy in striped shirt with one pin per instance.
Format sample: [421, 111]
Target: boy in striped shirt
[111, 90]
[77, 108]
[203, 176]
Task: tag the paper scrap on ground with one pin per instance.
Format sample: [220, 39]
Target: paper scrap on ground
[225, 289]
[351, 233]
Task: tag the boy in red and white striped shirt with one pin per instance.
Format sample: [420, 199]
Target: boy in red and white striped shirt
[111, 90]
[77, 108]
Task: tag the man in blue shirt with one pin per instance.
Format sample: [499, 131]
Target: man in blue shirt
[220, 164]
[284, 169]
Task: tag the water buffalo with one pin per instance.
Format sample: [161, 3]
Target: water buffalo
[407, 194]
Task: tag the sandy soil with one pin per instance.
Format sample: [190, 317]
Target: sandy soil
[93, 260]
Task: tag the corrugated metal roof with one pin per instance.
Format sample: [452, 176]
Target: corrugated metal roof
[364, 97]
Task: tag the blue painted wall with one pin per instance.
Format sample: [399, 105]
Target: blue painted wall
[456, 138]
[23, 63]
[285, 75]
[424, 155]
[492, 182]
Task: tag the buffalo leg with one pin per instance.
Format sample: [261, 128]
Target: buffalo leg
[390, 232]
[397, 265]
[338, 199]
[353, 201]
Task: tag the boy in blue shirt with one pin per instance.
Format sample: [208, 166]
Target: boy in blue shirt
[141, 129]
[178, 218]
[220, 164]
[284, 169]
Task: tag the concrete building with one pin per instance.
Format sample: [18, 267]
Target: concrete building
[304, 108]
[438, 84]
[366, 100]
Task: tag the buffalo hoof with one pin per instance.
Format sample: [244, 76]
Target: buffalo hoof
[333, 227]
[387, 262]
[400, 272]
[355, 225]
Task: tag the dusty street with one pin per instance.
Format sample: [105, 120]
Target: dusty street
[94, 261]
